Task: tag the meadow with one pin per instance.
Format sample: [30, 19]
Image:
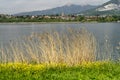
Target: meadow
[71, 55]
[89, 71]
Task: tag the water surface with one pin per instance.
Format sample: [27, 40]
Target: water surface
[102, 31]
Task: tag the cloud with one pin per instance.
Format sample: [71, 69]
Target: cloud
[16, 6]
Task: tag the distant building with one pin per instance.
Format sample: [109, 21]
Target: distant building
[47, 17]
[32, 17]
[118, 21]
[62, 14]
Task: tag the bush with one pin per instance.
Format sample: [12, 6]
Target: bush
[71, 47]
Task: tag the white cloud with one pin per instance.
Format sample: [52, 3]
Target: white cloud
[15, 6]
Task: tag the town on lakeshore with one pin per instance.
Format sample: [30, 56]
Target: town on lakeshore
[59, 18]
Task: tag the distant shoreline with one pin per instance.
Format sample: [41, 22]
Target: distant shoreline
[43, 22]
[51, 22]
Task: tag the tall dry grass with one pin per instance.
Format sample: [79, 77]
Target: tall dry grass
[71, 47]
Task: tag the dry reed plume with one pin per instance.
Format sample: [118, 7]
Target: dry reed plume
[70, 47]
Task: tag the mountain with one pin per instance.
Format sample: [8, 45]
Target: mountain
[66, 9]
[111, 7]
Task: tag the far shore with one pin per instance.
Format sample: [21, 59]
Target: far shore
[41, 22]
[50, 22]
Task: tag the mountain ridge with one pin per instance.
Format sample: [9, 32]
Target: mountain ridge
[66, 9]
[111, 7]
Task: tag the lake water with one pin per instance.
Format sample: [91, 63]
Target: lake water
[13, 32]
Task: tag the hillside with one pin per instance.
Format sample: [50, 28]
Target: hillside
[111, 7]
[66, 9]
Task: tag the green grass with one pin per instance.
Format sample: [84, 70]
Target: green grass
[85, 71]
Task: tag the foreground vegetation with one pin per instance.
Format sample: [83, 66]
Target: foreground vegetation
[70, 55]
[70, 47]
[86, 71]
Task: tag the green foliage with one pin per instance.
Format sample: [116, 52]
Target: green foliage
[89, 71]
[57, 18]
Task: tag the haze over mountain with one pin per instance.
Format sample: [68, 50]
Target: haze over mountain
[111, 7]
[66, 9]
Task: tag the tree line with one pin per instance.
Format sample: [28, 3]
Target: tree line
[58, 18]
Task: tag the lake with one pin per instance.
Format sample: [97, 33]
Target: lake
[102, 31]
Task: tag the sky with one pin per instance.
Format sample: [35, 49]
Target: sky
[16, 6]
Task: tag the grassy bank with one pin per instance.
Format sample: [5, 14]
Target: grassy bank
[71, 55]
[89, 71]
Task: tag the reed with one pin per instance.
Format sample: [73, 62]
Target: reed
[72, 47]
